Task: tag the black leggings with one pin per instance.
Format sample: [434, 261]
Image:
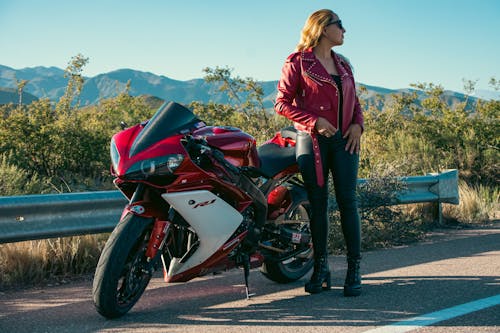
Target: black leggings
[344, 168]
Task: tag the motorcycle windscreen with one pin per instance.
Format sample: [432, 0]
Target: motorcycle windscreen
[170, 119]
[213, 219]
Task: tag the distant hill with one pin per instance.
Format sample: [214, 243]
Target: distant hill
[46, 82]
[10, 95]
[49, 82]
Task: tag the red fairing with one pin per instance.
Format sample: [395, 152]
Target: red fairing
[238, 147]
[278, 200]
[125, 139]
[282, 141]
[217, 262]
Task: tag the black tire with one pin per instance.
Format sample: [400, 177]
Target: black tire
[123, 273]
[294, 268]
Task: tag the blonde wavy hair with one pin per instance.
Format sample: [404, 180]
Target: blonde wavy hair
[313, 28]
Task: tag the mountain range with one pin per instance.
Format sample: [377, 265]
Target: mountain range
[49, 82]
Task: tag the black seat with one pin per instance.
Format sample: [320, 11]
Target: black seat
[274, 158]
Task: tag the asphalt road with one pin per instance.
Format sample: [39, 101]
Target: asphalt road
[449, 269]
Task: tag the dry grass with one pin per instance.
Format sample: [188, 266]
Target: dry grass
[478, 204]
[34, 262]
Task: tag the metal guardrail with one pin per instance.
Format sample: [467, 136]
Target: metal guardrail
[33, 217]
[433, 187]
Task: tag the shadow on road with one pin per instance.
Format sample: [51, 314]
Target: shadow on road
[391, 291]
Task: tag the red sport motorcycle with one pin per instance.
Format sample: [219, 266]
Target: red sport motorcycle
[202, 199]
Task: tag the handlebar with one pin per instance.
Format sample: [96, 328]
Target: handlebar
[201, 145]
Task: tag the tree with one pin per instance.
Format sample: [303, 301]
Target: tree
[75, 84]
[431, 136]
[20, 88]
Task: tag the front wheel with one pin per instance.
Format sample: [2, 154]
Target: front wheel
[300, 259]
[123, 271]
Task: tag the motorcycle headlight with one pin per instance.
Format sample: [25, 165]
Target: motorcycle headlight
[159, 166]
[115, 155]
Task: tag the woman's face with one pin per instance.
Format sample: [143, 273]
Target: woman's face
[334, 31]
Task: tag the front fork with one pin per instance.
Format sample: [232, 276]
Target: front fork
[137, 207]
[157, 239]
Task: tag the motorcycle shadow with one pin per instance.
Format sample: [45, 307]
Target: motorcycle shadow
[221, 300]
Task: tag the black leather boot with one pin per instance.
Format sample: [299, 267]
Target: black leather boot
[320, 279]
[352, 285]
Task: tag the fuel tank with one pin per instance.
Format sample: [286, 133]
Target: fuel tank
[238, 147]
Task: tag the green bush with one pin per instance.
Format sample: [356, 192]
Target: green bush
[16, 181]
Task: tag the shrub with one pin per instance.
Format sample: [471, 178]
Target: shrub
[16, 181]
[382, 223]
[478, 204]
[34, 262]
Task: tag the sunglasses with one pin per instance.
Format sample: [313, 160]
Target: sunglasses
[338, 23]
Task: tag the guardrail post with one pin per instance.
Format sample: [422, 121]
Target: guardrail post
[446, 189]
[437, 212]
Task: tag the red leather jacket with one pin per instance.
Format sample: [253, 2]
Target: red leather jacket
[306, 91]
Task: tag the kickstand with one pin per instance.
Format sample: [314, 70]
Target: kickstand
[246, 269]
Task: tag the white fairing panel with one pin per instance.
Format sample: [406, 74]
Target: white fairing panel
[213, 219]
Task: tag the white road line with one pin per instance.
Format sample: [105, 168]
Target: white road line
[435, 317]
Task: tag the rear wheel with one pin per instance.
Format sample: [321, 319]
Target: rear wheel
[123, 271]
[295, 260]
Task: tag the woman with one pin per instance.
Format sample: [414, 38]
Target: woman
[317, 92]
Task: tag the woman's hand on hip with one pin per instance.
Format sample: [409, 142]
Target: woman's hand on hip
[324, 127]
[353, 135]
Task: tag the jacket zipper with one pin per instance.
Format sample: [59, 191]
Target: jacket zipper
[339, 126]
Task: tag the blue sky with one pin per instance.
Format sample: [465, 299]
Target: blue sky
[391, 43]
